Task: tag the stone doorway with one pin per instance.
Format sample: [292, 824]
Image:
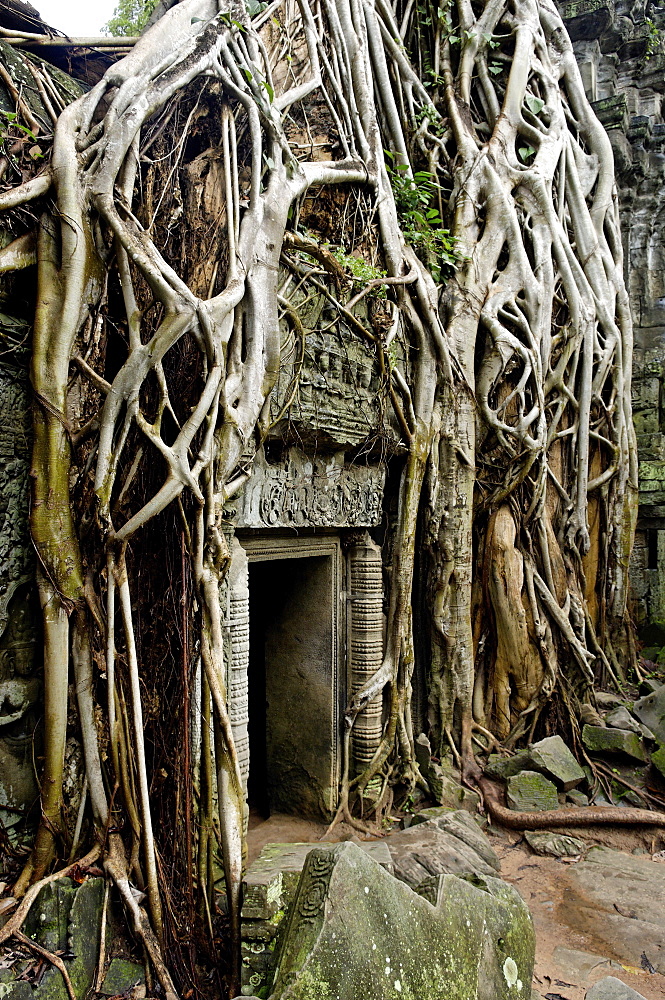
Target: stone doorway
[296, 689]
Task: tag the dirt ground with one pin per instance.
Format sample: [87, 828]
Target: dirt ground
[568, 959]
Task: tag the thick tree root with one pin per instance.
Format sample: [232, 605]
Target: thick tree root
[55, 960]
[575, 816]
[15, 922]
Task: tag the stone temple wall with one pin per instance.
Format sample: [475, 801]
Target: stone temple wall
[619, 48]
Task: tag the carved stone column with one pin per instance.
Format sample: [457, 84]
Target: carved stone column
[366, 644]
[236, 621]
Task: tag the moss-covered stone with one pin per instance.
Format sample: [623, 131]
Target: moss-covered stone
[121, 976]
[607, 740]
[530, 791]
[552, 758]
[650, 710]
[658, 760]
[502, 767]
[555, 844]
[355, 931]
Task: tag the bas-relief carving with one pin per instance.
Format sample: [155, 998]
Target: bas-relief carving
[20, 688]
[332, 391]
[300, 492]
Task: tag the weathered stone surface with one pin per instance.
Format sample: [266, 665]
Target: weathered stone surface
[583, 966]
[501, 767]
[606, 740]
[435, 812]
[356, 932]
[556, 844]
[552, 758]
[658, 759]
[271, 880]
[64, 918]
[530, 791]
[607, 699]
[452, 844]
[20, 686]
[443, 780]
[610, 988]
[11, 989]
[620, 718]
[577, 798]
[268, 890]
[121, 976]
[651, 711]
[618, 899]
[48, 919]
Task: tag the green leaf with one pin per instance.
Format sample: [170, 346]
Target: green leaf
[248, 75]
[534, 104]
[495, 68]
[525, 152]
[269, 90]
[196, 20]
[270, 163]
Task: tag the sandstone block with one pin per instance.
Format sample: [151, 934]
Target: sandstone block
[607, 740]
[355, 931]
[530, 791]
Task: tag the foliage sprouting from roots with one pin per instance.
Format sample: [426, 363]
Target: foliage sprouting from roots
[514, 409]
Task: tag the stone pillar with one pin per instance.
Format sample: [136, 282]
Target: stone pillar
[366, 644]
[236, 622]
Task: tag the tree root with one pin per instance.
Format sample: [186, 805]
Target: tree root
[16, 920]
[575, 816]
[50, 957]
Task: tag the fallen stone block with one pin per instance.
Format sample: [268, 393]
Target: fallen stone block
[530, 791]
[122, 976]
[443, 782]
[582, 966]
[357, 932]
[577, 798]
[612, 989]
[557, 845]
[608, 740]
[501, 767]
[658, 760]
[452, 844]
[651, 711]
[620, 718]
[272, 879]
[64, 918]
[269, 887]
[552, 758]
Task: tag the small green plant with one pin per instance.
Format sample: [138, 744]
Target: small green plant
[654, 38]
[526, 153]
[10, 120]
[422, 224]
[361, 272]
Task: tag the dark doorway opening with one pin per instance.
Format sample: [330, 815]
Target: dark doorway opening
[292, 687]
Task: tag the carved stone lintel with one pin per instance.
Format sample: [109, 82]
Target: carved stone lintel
[366, 648]
[301, 491]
